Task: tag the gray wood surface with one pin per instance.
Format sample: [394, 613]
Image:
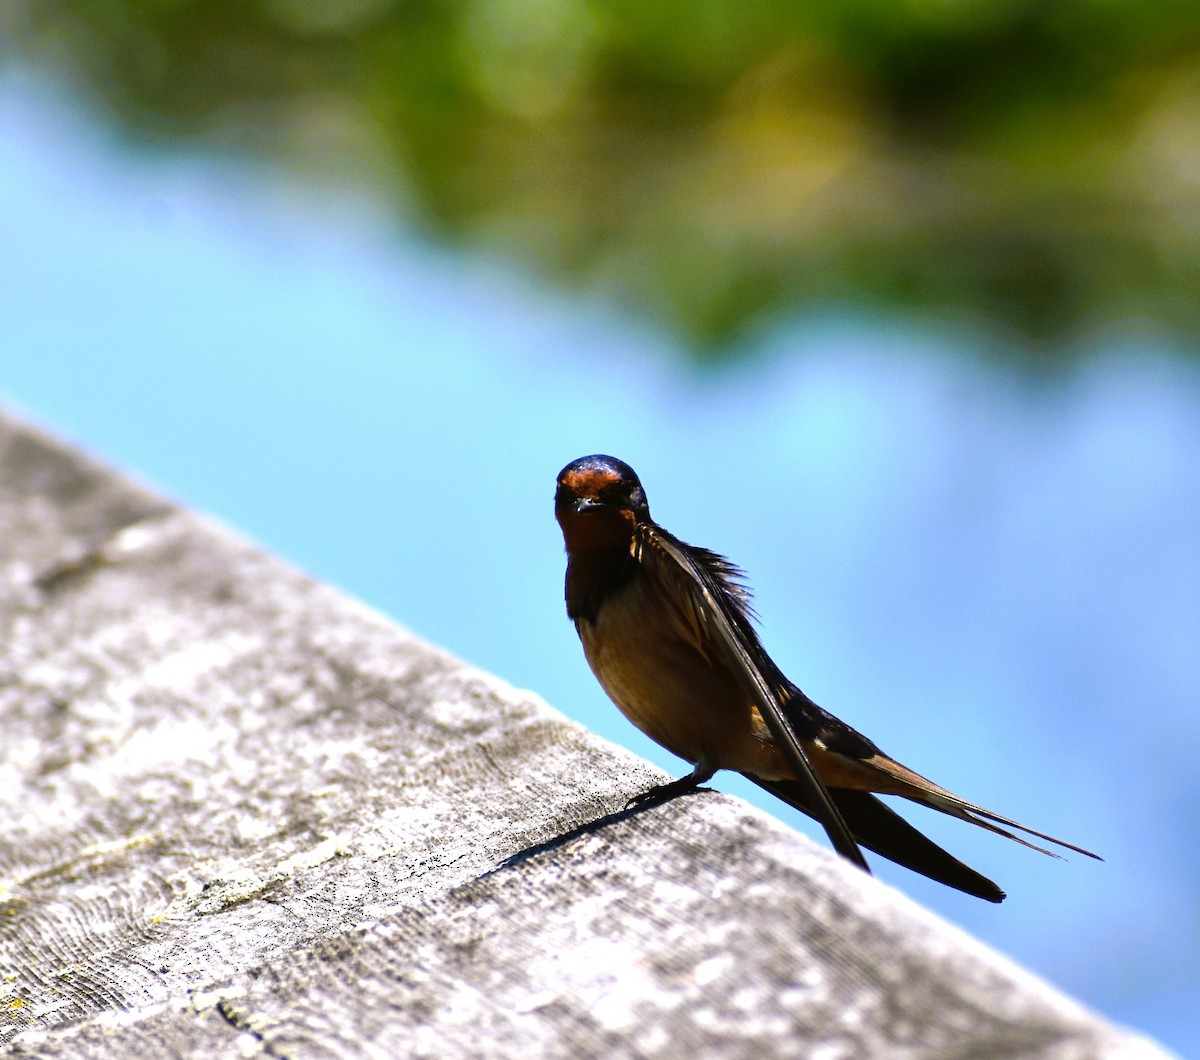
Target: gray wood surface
[245, 815]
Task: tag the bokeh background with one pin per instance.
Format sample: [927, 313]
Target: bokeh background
[894, 303]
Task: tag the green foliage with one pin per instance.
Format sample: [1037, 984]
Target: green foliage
[713, 162]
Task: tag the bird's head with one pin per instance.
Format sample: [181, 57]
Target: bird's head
[599, 503]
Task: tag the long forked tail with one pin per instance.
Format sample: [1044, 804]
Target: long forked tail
[977, 815]
[885, 832]
[916, 788]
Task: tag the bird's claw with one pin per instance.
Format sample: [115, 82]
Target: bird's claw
[662, 792]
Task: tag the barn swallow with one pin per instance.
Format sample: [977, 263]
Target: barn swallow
[667, 629]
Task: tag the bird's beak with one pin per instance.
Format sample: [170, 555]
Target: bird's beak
[586, 504]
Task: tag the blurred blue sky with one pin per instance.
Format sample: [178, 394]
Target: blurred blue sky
[993, 576]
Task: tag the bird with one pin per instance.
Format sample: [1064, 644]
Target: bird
[668, 630]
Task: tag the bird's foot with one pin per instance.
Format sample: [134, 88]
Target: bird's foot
[663, 792]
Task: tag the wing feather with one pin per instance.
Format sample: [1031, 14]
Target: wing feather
[881, 829]
[718, 616]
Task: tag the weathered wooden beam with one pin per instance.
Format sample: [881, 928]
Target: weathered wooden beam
[243, 814]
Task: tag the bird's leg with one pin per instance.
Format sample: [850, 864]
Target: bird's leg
[662, 792]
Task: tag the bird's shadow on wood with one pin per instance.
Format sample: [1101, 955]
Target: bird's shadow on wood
[629, 811]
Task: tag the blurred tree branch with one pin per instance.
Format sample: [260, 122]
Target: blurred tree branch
[712, 163]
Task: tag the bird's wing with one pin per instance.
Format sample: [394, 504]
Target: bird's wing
[714, 610]
[880, 829]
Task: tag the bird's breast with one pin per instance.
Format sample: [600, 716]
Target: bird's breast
[683, 700]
